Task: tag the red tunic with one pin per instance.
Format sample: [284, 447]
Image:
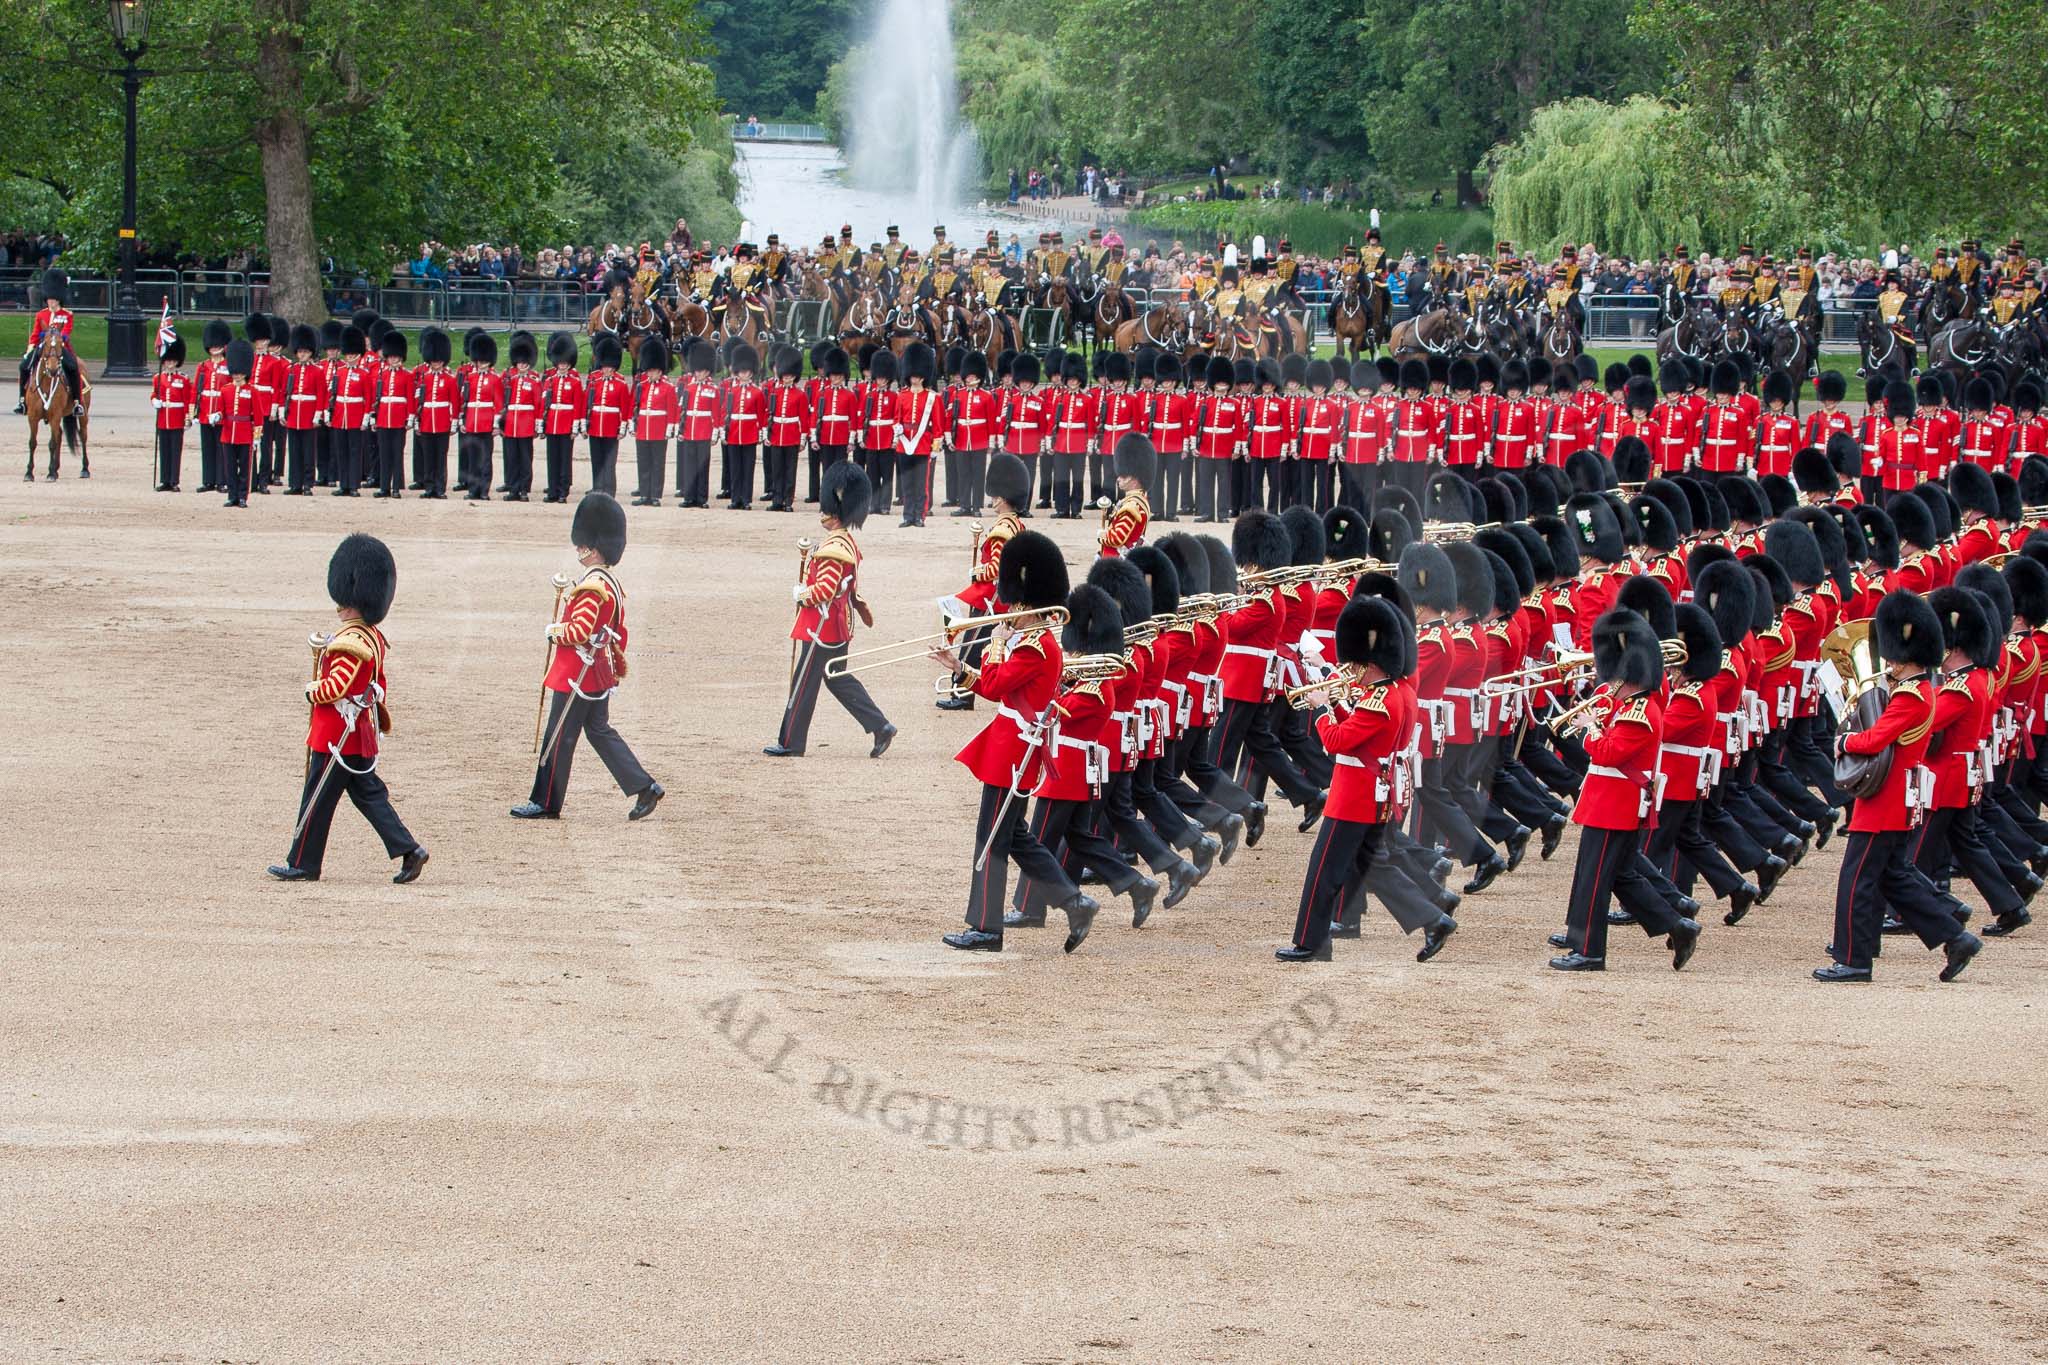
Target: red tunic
[1172, 419]
[1777, 437]
[1272, 427]
[1250, 667]
[212, 376]
[172, 394]
[1367, 428]
[1518, 432]
[1618, 791]
[1727, 439]
[347, 692]
[1418, 431]
[1117, 412]
[268, 379]
[1432, 673]
[1465, 433]
[1900, 457]
[1616, 424]
[238, 409]
[1570, 429]
[656, 408]
[1222, 426]
[1010, 750]
[1984, 443]
[789, 415]
[1364, 741]
[483, 401]
[611, 404]
[1073, 417]
[1027, 421]
[703, 407]
[878, 418]
[976, 415]
[1463, 685]
[436, 397]
[562, 401]
[595, 604]
[522, 403]
[836, 414]
[920, 421]
[1907, 722]
[1941, 437]
[831, 580]
[1964, 707]
[1825, 423]
[1080, 757]
[1319, 422]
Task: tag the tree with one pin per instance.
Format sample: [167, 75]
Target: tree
[1314, 80]
[353, 126]
[1161, 82]
[770, 60]
[1013, 98]
[1898, 113]
[1457, 76]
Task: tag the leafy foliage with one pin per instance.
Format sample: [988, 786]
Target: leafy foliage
[770, 60]
[1160, 82]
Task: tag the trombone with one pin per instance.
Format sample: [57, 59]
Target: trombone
[920, 646]
[1537, 677]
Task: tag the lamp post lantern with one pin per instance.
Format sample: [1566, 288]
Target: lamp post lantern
[127, 353]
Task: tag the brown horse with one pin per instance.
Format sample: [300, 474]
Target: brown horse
[1113, 308]
[49, 401]
[626, 314]
[688, 321]
[1358, 318]
[1437, 332]
[743, 321]
[1165, 327]
[991, 331]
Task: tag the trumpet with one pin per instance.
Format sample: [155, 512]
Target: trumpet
[1076, 668]
[1445, 532]
[920, 646]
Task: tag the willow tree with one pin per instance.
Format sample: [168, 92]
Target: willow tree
[297, 128]
[1012, 94]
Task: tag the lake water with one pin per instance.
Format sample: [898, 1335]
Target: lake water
[800, 191]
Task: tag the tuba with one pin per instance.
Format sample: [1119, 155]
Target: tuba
[1850, 649]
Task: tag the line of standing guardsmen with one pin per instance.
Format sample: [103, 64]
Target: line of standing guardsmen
[338, 407]
[1150, 723]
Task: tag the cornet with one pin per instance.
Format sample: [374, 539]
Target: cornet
[921, 646]
[1076, 668]
[1343, 687]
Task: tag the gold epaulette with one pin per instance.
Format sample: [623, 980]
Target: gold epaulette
[1497, 629]
[354, 640]
[1957, 684]
[1463, 632]
[596, 581]
[1688, 689]
[1534, 599]
[838, 546]
[1033, 639]
[1005, 527]
[1373, 698]
[1637, 710]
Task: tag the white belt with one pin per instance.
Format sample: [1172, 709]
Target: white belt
[604, 409]
[1269, 428]
[1347, 761]
[1602, 770]
[1248, 650]
[1027, 728]
[1700, 752]
[438, 404]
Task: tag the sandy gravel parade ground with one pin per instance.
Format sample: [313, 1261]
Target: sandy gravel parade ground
[708, 1087]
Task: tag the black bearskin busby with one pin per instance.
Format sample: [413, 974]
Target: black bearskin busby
[1032, 573]
[1792, 546]
[1908, 631]
[1648, 598]
[1222, 568]
[436, 347]
[1426, 575]
[1009, 480]
[363, 575]
[1812, 472]
[1695, 629]
[2027, 580]
[600, 525]
[1562, 544]
[1137, 458]
[1371, 632]
[1965, 623]
[562, 349]
[1346, 533]
[1973, 489]
[844, 492]
[1475, 577]
[1190, 561]
[1095, 624]
[1596, 530]
[1879, 534]
[1305, 535]
[1160, 577]
[1989, 583]
[1728, 593]
[1625, 650]
[1125, 583]
[1260, 540]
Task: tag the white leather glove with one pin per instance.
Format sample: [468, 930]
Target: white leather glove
[799, 593]
[554, 631]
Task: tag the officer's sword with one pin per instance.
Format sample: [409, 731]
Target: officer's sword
[598, 641]
[1023, 765]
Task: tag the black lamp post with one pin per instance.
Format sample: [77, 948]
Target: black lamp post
[127, 352]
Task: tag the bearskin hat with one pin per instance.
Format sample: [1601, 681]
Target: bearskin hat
[789, 362]
[2008, 488]
[1777, 387]
[1728, 593]
[562, 348]
[1792, 545]
[1137, 458]
[1439, 368]
[256, 327]
[1514, 377]
[1589, 472]
[652, 357]
[1648, 598]
[1512, 571]
[1167, 368]
[1703, 554]
[845, 493]
[1719, 518]
[1965, 618]
[2027, 580]
[1388, 371]
[1474, 575]
[1414, 375]
[1773, 591]
[1586, 369]
[1219, 372]
[1855, 545]
[1639, 364]
[742, 358]
[1631, 460]
[1444, 498]
[1827, 538]
[1596, 530]
[1832, 387]
[1779, 494]
[1293, 368]
[1392, 497]
[330, 334]
[1977, 396]
[1913, 520]
[1536, 489]
[1160, 576]
[1032, 573]
[172, 351]
[1562, 544]
[363, 318]
[1009, 480]
[919, 361]
[1745, 500]
[1260, 540]
[1365, 375]
[1973, 489]
[1874, 386]
[702, 358]
[1898, 399]
[600, 525]
[1123, 581]
[1626, 651]
[1389, 536]
[1812, 472]
[241, 358]
[1305, 534]
[606, 353]
[1676, 501]
[1942, 506]
[1346, 533]
[1537, 550]
[1879, 534]
[392, 347]
[521, 348]
[1319, 375]
[882, 367]
[363, 575]
[1639, 394]
[1930, 391]
[436, 346]
[1025, 368]
[1387, 588]
[304, 338]
[353, 342]
[1222, 568]
[1908, 631]
[2026, 396]
[1615, 377]
[1426, 575]
[1463, 376]
[1073, 367]
[1189, 560]
[1095, 625]
[1373, 633]
[1727, 380]
[1660, 532]
[1843, 455]
[975, 366]
[1493, 503]
[1694, 628]
[1989, 583]
[1113, 367]
[1486, 370]
[835, 364]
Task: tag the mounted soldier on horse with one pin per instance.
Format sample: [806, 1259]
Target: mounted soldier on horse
[52, 390]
